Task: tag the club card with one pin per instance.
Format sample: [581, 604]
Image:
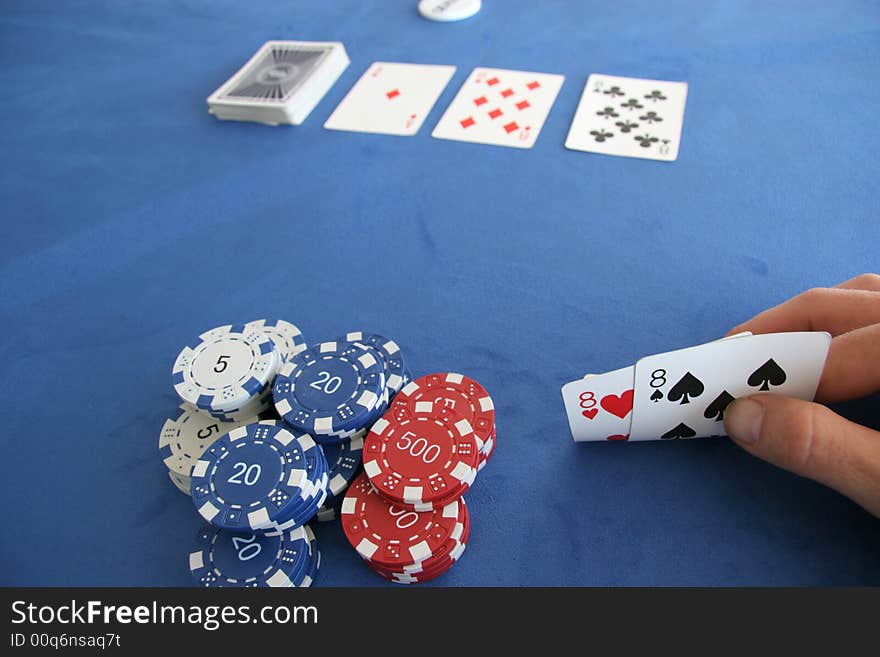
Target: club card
[391, 99]
[599, 406]
[629, 117]
[683, 394]
[500, 107]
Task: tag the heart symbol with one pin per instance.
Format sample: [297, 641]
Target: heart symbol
[590, 414]
[618, 405]
[618, 437]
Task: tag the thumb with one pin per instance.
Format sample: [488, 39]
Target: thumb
[812, 441]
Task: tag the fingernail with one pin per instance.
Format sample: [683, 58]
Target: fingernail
[743, 419]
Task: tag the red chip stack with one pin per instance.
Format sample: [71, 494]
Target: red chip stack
[405, 515]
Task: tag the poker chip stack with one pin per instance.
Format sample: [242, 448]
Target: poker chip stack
[339, 405]
[437, 435]
[405, 515]
[401, 545]
[335, 391]
[262, 477]
[224, 381]
[233, 559]
[185, 437]
[229, 372]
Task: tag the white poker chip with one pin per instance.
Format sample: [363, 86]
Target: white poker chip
[287, 337]
[226, 368]
[185, 438]
[180, 482]
[449, 10]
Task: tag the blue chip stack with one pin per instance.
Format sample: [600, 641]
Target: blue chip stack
[336, 391]
[260, 478]
[222, 558]
[344, 461]
[332, 390]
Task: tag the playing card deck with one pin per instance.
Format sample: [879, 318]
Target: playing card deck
[684, 393]
[281, 83]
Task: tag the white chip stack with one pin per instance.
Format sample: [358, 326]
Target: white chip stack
[281, 84]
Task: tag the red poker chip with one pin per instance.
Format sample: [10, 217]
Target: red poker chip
[487, 451]
[440, 562]
[449, 392]
[453, 495]
[390, 536]
[430, 572]
[433, 571]
[424, 457]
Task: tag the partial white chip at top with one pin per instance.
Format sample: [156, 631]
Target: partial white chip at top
[281, 83]
[449, 10]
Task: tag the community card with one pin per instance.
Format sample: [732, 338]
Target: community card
[391, 98]
[500, 107]
[629, 117]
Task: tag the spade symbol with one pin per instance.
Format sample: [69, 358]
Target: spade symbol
[689, 386]
[656, 396]
[715, 410]
[681, 431]
[769, 374]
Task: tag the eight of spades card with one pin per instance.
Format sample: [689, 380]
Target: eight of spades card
[683, 394]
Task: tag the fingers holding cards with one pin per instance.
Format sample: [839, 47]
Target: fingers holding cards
[683, 394]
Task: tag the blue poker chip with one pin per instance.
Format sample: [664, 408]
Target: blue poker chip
[314, 559]
[252, 477]
[344, 460]
[331, 388]
[302, 510]
[222, 558]
[392, 357]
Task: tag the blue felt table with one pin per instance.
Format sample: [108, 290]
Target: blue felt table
[133, 220]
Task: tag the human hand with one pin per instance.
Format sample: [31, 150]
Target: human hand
[808, 438]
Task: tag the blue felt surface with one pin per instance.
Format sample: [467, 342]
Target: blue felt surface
[133, 220]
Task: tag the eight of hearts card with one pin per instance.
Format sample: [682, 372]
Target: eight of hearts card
[629, 117]
[684, 393]
[500, 107]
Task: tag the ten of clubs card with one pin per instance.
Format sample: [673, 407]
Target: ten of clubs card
[684, 393]
[629, 117]
[391, 98]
